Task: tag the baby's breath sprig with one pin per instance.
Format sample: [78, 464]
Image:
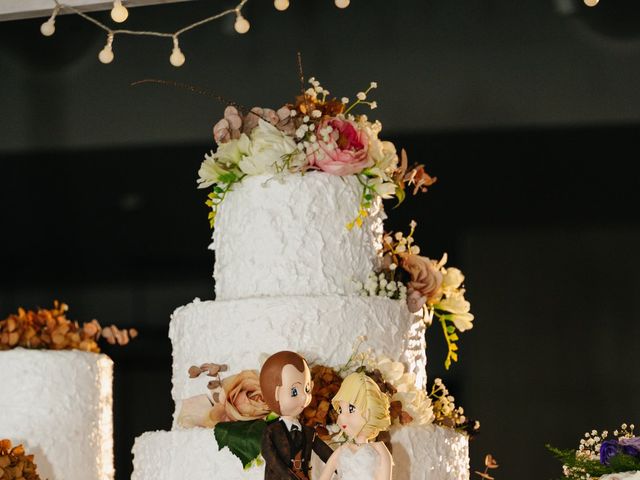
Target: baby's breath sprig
[361, 99]
[445, 411]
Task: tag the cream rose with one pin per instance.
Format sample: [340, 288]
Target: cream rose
[243, 397]
[268, 147]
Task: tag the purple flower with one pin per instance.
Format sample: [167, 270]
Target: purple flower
[608, 449]
[631, 446]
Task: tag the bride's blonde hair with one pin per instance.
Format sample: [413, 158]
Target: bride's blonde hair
[362, 392]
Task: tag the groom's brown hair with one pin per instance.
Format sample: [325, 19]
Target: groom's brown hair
[271, 375]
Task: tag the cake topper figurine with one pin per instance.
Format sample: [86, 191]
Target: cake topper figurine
[285, 381]
[363, 412]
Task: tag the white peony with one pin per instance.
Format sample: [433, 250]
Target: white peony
[268, 147]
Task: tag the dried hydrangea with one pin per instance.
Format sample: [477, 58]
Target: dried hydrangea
[51, 329]
[14, 464]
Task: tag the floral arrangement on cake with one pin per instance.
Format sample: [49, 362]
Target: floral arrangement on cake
[426, 285]
[603, 455]
[14, 464]
[236, 408]
[317, 132]
[51, 329]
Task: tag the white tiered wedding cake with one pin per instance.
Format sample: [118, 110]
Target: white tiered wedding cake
[293, 272]
[289, 235]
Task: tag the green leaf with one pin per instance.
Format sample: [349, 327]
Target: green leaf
[400, 195]
[271, 417]
[242, 438]
[451, 329]
[228, 178]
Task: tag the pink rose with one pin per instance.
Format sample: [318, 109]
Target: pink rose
[343, 151]
[242, 400]
[425, 277]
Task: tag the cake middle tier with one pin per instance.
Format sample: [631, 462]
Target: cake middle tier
[323, 329]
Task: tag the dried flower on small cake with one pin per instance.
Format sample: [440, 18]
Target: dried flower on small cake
[15, 464]
[51, 329]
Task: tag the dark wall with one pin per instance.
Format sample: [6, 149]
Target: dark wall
[528, 112]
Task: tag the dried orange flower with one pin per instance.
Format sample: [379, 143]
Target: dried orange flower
[14, 464]
[51, 329]
[326, 383]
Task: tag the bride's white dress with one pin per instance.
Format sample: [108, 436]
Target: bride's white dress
[359, 463]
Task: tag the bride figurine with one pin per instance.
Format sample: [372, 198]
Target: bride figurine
[363, 411]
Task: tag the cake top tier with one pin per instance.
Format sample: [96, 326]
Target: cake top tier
[316, 132]
[297, 192]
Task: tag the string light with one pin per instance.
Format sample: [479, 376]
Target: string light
[242, 25]
[106, 54]
[281, 4]
[119, 12]
[591, 3]
[49, 27]
[177, 57]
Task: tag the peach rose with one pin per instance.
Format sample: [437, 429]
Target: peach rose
[243, 398]
[342, 151]
[425, 277]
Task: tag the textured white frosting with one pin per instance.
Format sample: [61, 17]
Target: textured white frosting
[288, 236]
[322, 329]
[429, 452]
[58, 404]
[419, 453]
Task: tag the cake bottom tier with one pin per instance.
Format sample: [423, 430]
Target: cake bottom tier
[419, 453]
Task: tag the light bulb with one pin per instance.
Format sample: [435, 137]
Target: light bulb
[281, 4]
[119, 13]
[342, 3]
[591, 3]
[48, 28]
[177, 57]
[242, 24]
[106, 54]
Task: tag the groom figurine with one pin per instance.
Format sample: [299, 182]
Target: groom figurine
[285, 381]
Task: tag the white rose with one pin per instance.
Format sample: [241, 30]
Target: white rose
[383, 154]
[391, 371]
[268, 146]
